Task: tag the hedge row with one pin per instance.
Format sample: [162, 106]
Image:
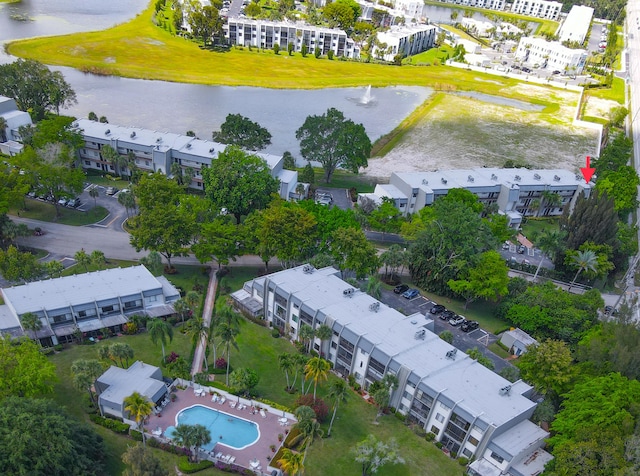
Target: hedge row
[187, 467]
[111, 424]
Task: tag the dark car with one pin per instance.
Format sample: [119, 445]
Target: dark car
[522, 249]
[410, 294]
[556, 72]
[437, 309]
[526, 70]
[400, 288]
[469, 326]
[446, 315]
[515, 66]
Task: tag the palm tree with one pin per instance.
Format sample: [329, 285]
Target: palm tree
[324, 333]
[339, 392]
[306, 334]
[193, 299]
[291, 462]
[181, 307]
[85, 372]
[3, 129]
[83, 259]
[286, 364]
[94, 193]
[586, 260]
[548, 199]
[226, 315]
[97, 259]
[159, 330]
[31, 322]
[120, 351]
[317, 368]
[373, 287]
[192, 436]
[550, 242]
[308, 426]
[199, 332]
[227, 336]
[299, 362]
[139, 407]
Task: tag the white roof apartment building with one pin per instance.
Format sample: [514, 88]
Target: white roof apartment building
[14, 119]
[537, 8]
[551, 55]
[157, 151]
[576, 26]
[489, 4]
[405, 40]
[517, 192]
[86, 302]
[266, 33]
[470, 409]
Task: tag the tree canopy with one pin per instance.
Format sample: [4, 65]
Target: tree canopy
[242, 132]
[38, 438]
[35, 88]
[335, 142]
[24, 370]
[488, 279]
[239, 182]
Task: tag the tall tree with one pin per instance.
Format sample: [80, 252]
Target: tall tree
[111, 155]
[85, 372]
[324, 333]
[548, 366]
[82, 258]
[486, 280]
[138, 407]
[192, 436]
[291, 462]
[141, 462]
[353, 252]
[550, 243]
[317, 369]
[160, 330]
[243, 380]
[218, 241]
[335, 142]
[24, 370]
[584, 261]
[339, 393]
[205, 22]
[97, 259]
[35, 88]
[29, 425]
[239, 182]
[242, 132]
[286, 364]
[199, 333]
[31, 322]
[373, 454]
[227, 334]
[16, 266]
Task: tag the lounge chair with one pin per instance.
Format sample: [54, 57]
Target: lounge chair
[263, 413]
[222, 400]
[219, 454]
[232, 404]
[232, 459]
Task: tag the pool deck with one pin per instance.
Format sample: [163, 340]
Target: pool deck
[269, 427]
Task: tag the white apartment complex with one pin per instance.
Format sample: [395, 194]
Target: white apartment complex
[156, 151]
[405, 40]
[576, 26]
[471, 410]
[14, 119]
[551, 55]
[409, 8]
[537, 8]
[489, 4]
[265, 34]
[517, 192]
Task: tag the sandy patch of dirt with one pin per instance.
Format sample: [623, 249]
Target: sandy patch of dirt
[460, 133]
[598, 107]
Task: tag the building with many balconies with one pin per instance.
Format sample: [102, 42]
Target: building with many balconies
[549, 10]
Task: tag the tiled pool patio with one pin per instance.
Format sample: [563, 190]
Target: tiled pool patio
[271, 424]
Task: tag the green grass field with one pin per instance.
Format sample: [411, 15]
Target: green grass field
[431, 57]
[44, 211]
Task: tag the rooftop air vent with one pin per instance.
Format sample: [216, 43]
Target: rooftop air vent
[348, 292]
[308, 269]
[374, 306]
[517, 178]
[452, 354]
[494, 177]
[536, 176]
[159, 139]
[556, 178]
[470, 178]
[133, 134]
[420, 335]
[506, 390]
[212, 150]
[443, 180]
[107, 132]
[189, 145]
[425, 181]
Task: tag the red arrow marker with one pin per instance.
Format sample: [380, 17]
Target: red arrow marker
[588, 171]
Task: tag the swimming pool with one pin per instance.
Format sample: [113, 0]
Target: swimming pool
[229, 430]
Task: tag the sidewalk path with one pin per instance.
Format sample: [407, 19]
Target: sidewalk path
[209, 301]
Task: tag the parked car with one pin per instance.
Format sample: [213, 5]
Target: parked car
[456, 320]
[410, 294]
[437, 309]
[400, 288]
[506, 245]
[526, 70]
[469, 326]
[73, 203]
[63, 201]
[111, 191]
[446, 315]
[556, 72]
[522, 249]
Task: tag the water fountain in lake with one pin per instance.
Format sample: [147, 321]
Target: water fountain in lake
[366, 100]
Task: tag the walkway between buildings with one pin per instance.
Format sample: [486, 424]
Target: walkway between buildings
[207, 312]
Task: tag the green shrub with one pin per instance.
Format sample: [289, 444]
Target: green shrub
[185, 466]
[463, 461]
[136, 435]
[429, 436]
[58, 347]
[400, 416]
[439, 444]
[275, 333]
[275, 405]
[110, 423]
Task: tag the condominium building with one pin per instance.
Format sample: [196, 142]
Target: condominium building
[404, 41]
[551, 55]
[153, 151]
[266, 34]
[537, 8]
[576, 26]
[86, 302]
[13, 120]
[516, 192]
[489, 4]
[471, 410]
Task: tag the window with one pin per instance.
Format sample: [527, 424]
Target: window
[472, 441]
[467, 453]
[439, 417]
[152, 298]
[445, 406]
[334, 345]
[406, 395]
[497, 457]
[294, 318]
[435, 430]
[107, 308]
[87, 162]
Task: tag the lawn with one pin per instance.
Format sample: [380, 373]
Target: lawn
[345, 179]
[43, 211]
[431, 56]
[614, 93]
[107, 180]
[532, 228]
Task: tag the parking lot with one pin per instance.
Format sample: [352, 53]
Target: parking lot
[464, 341]
[339, 197]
